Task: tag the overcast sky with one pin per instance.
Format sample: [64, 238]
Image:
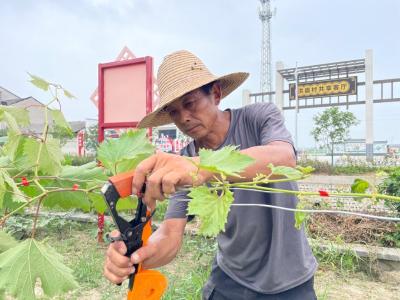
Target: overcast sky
[63, 41]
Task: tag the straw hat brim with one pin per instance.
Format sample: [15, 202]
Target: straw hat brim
[228, 84]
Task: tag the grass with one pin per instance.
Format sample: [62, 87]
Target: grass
[341, 261]
[191, 268]
[338, 277]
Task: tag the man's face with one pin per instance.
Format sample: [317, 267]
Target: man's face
[195, 113]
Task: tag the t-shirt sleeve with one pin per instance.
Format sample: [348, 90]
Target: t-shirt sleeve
[269, 122]
[177, 206]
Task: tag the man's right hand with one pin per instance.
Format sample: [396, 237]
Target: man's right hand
[161, 248]
[117, 266]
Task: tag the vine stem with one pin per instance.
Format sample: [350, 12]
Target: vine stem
[3, 219]
[22, 172]
[43, 195]
[36, 217]
[262, 188]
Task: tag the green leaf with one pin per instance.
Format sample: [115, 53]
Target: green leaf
[39, 82]
[24, 264]
[9, 188]
[13, 148]
[4, 161]
[299, 216]
[98, 203]
[20, 114]
[287, 172]
[127, 203]
[59, 119]
[67, 199]
[211, 208]
[123, 154]
[50, 156]
[227, 161]
[305, 170]
[89, 171]
[6, 241]
[359, 186]
[11, 122]
[68, 94]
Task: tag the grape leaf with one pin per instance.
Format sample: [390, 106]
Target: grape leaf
[100, 206]
[9, 188]
[227, 161]
[69, 176]
[299, 216]
[59, 119]
[68, 94]
[6, 241]
[287, 172]
[67, 199]
[359, 186]
[117, 155]
[98, 202]
[305, 170]
[127, 203]
[20, 114]
[89, 171]
[211, 208]
[13, 148]
[11, 122]
[50, 156]
[23, 265]
[39, 82]
[4, 161]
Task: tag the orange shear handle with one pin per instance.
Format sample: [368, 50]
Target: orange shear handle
[148, 284]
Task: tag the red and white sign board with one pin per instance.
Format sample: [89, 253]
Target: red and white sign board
[126, 54]
[125, 93]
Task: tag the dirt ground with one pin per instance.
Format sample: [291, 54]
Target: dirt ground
[332, 286]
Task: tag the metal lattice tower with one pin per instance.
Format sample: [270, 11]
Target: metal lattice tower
[265, 15]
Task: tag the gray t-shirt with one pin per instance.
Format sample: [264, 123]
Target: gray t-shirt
[260, 248]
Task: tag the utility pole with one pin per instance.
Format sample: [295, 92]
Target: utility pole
[265, 15]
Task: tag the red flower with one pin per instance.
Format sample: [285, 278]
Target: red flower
[75, 186]
[323, 193]
[24, 181]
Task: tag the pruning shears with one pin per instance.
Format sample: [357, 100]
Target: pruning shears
[143, 284]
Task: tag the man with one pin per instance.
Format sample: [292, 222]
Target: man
[260, 254]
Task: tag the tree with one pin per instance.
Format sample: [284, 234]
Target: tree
[332, 127]
[91, 138]
[63, 134]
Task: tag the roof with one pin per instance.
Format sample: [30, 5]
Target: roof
[9, 92]
[77, 125]
[324, 70]
[10, 102]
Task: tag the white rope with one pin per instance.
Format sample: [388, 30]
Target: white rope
[311, 210]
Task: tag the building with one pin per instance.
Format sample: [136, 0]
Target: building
[36, 115]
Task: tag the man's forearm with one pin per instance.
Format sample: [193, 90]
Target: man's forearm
[167, 240]
[277, 153]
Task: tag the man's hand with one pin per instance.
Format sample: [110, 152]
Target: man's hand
[117, 266]
[161, 248]
[164, 173]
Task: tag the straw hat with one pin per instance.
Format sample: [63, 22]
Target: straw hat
[180, 73]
